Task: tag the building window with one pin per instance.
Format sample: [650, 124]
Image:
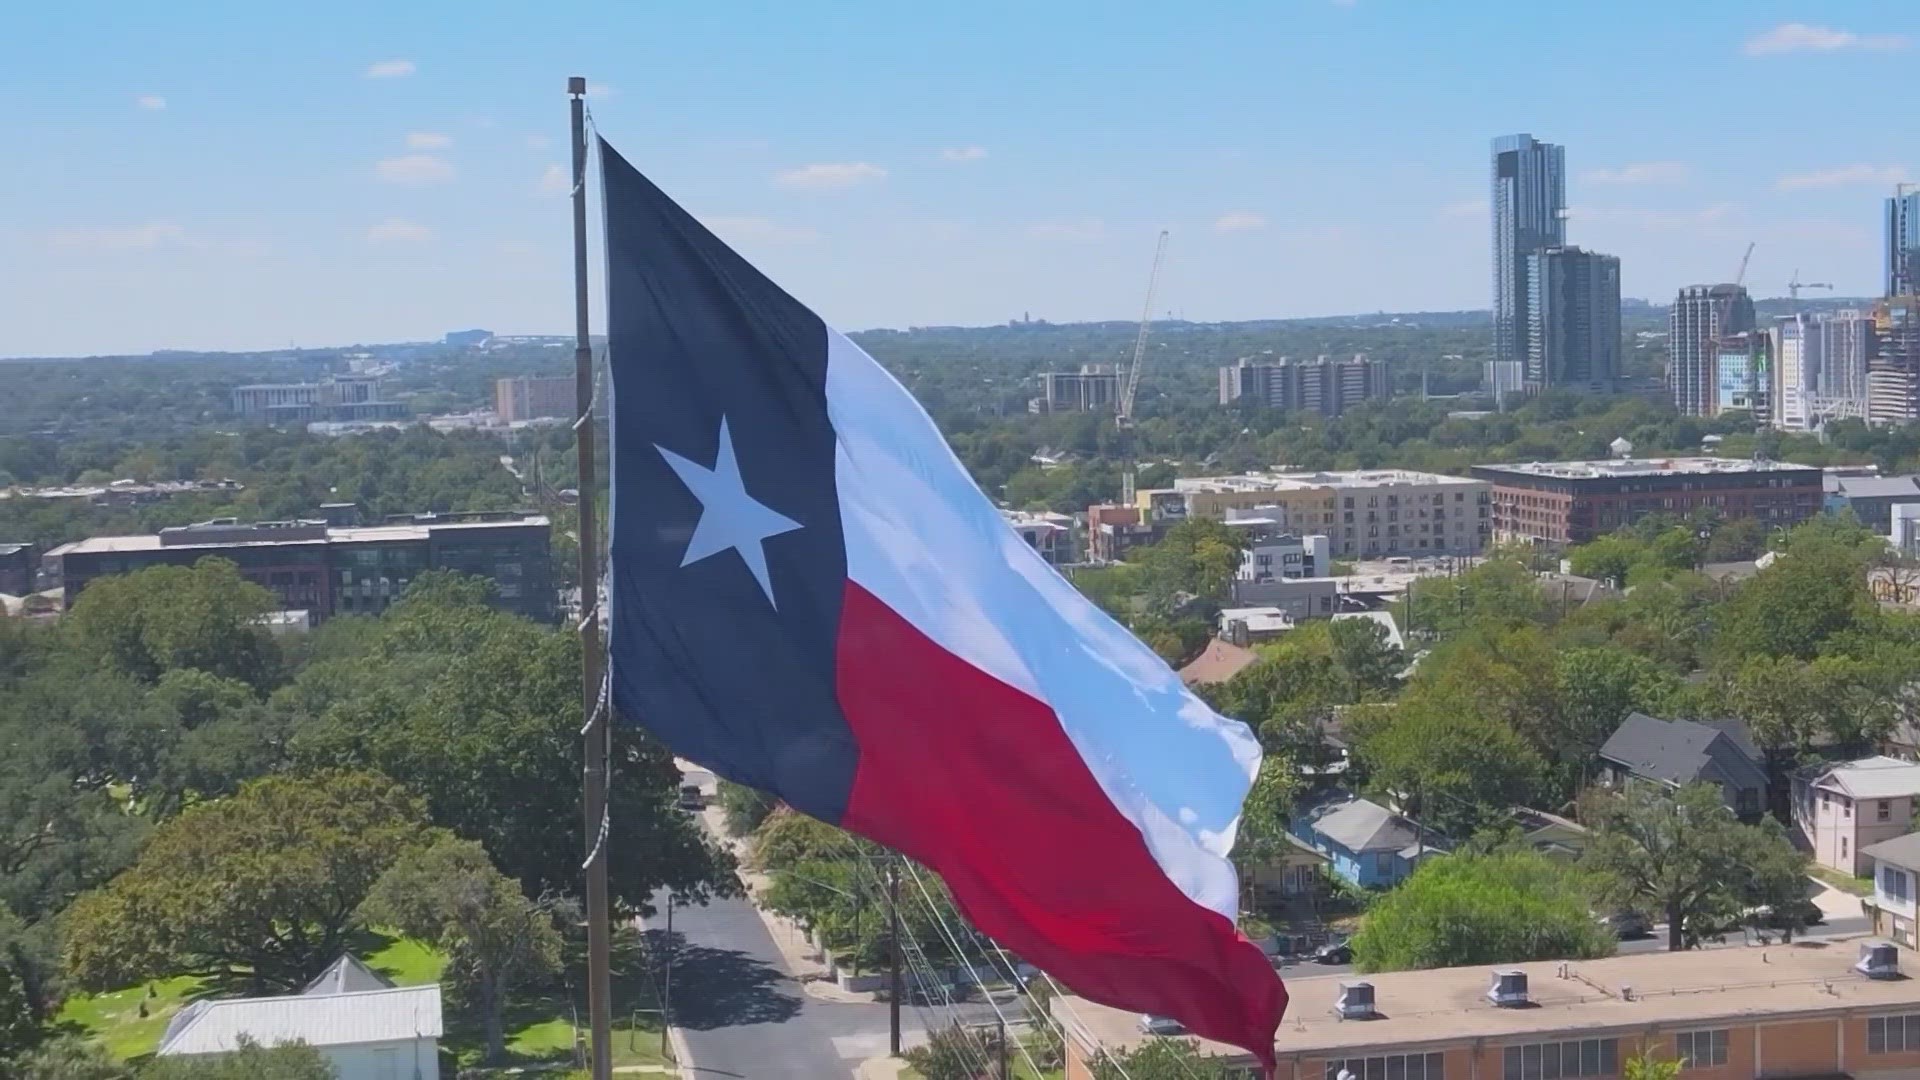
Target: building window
[1563, 1060]
[1702, 1049]
[1893, 1034]
[1389, 1067]
[1884, 810]
[1894, 883]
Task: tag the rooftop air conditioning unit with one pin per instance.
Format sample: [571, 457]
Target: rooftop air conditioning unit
[1355, 1001]
[1509, 989]
[1878, 960]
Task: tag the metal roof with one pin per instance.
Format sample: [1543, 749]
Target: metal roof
[372, 1016]
[1878, 777]
[347, 975]
[1900, 851]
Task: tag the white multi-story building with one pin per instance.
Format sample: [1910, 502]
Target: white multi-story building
[1372, 513]
[1820, 368]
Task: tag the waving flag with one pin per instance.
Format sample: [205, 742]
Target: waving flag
[811, 597]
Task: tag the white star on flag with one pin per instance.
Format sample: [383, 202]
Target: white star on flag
[730, 519]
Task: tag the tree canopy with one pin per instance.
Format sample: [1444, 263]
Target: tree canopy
[1500, 907]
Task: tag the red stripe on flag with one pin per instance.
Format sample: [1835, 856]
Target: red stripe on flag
[977, 779]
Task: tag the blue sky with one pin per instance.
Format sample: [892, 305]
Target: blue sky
[237, 175]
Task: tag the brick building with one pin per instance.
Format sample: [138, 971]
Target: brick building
[1571, 502]
[1730, 1014]
[515, 400]
[327, 571]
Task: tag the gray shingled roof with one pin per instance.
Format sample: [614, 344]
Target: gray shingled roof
[1901, 851]
[1681, 751]
[1363, 825]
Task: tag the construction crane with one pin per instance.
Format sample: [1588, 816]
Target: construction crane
[1123, 415]
[1794, 286]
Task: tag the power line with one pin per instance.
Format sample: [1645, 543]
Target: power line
[1005, 1029]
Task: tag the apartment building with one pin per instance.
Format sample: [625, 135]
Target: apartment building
[1093, 387]
[1571, 502]
[1844, 807]
[1324, 385]
[530, 398]
[1375, 513]
[1790, 1011]
[329, 571]
[1049, 534]
[347, 397]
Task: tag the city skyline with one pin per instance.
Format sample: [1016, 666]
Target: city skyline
[252, 178]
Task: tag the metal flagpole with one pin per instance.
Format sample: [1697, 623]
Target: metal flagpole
[595, 732]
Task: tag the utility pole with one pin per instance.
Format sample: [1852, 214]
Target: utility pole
[893, 956]
[666, 982]
[595, 734]
[1006, 1065]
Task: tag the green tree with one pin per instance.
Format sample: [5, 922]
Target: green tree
[1462, 768]
[1684, 855]
[1161, 1059]
[168, 617]
[1814, 590]
[262, 887]
[1363, 659]
[68, 1057]
[1263, 816]
[1502, 907]
[495, 938]
[1791, 706]
[1597, 688]
[1607, 558]
[1195, 559]
[462, 703]
[955, 1053]
[1645, 1066]
[283, 1061]
[744, 807]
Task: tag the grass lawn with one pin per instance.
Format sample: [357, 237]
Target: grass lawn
[1858, 886]
[114, 1018]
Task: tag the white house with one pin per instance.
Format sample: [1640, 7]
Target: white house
[1896, 873]
[1841, 809]
[366, 1028]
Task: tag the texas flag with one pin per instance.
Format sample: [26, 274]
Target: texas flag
[811, 597]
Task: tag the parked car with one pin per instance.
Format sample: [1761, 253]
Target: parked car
[1627, 924]
[1334, 952]
[1791, 915]
[1160, 1025]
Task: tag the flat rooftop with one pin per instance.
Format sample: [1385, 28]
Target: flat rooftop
[355, 534]
[1622, 467]
[1305, 481]
[1448, 1005]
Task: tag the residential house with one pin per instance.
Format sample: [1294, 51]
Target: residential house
[1550, 834]
[1369, 845]
[1297, 870]
[1675, 753]
[1896, 872]
[365, 1027]
[1844, 807]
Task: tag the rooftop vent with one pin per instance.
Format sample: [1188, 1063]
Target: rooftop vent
[1355, 1001]
[1509, 989]
[1878, 960]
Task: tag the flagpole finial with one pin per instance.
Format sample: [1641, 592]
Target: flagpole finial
[577, 85]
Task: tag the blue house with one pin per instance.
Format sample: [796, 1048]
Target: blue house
[1369, 845]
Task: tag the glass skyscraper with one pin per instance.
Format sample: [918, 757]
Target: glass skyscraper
[1903, 244]
[1572, 333]
[1529, 215]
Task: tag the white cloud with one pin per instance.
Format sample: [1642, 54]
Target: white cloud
[150, 102]
[1799, 37]
[428, 140]
[97, 238]
[1640, 173]
[1090, 228]
[963, 153]
[830, 175]
[390, 69]
[537, 142]
[554, 181]
[399, 231]
[1844, 176]
[1240, 221]
[414, 170]
[747, 228]
[1655, 219]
